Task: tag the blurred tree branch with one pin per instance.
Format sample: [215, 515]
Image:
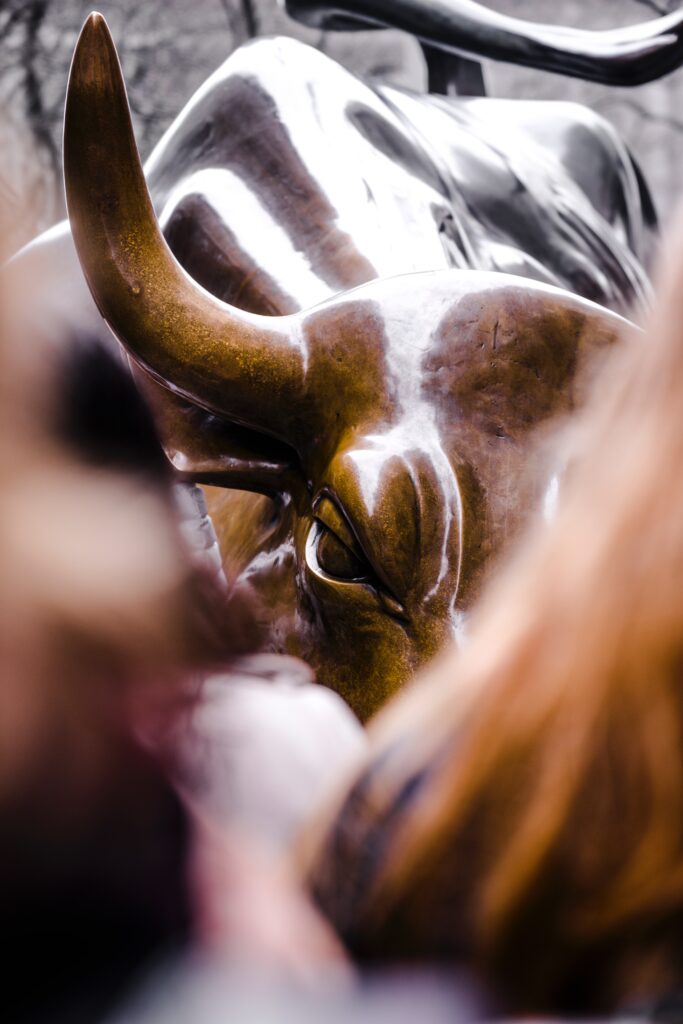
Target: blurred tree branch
[659, 6]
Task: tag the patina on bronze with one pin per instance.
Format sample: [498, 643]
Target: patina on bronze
[395, 423]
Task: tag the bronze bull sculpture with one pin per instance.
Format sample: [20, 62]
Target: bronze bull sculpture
[393, 426]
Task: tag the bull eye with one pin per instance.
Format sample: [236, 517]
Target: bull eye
[336, 559]
[336, 548]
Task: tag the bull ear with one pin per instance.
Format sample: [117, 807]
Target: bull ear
[246, 367]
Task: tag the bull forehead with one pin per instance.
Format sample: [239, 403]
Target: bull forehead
[431, 392]
[368, 349]
[500, 352]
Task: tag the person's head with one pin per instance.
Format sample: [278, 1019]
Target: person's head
[527, 821]
[105, 622]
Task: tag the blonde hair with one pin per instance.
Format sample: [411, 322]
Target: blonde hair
[522, 809]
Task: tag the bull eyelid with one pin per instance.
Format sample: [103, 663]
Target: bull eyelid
[329, 512]
[326, 509]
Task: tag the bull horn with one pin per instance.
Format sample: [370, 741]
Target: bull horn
[249, 368]
[624, 56]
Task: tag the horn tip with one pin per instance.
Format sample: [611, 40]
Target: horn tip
[95, 32]
[95, 22]
[94, 61]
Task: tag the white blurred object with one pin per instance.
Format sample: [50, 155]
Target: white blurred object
[201, 990]
[265, 745]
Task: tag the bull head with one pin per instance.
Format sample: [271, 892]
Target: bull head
[400, 416]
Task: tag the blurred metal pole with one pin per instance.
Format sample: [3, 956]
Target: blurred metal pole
[451, 75]
[248, 13]
[250, 18]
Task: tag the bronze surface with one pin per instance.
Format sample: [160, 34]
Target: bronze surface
[395, 423]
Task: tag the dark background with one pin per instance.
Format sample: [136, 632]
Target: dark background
[168, 48]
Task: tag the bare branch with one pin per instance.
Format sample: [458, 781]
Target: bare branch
[32, 81]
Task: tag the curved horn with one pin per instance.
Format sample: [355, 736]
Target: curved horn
[247, 367]
[623, 56]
